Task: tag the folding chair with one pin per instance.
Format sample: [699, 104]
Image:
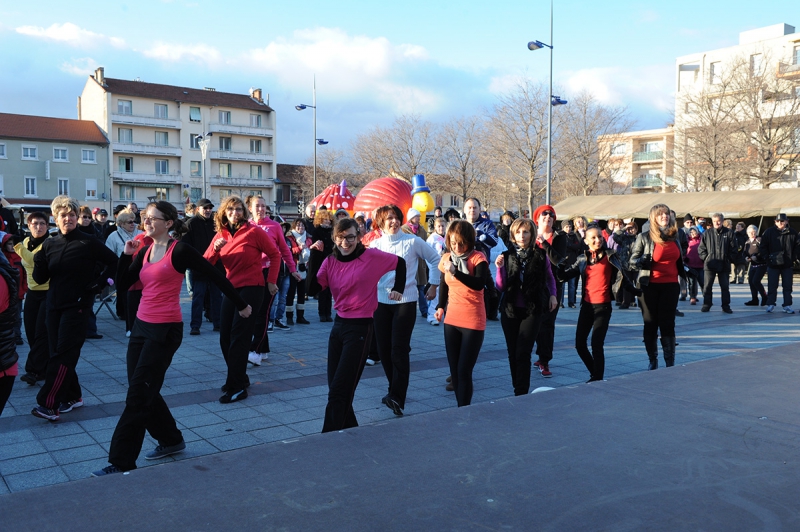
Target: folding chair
[107, 297]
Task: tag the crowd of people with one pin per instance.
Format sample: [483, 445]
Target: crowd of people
[250, 275]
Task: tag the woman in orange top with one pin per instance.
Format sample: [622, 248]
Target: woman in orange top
[465, 272]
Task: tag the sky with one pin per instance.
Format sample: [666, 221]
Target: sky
[372, 62]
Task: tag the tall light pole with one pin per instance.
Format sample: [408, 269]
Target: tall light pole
[204, 140]
[321, 142]
[554, 100]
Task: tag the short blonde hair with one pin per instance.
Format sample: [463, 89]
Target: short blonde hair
[125, 216]
[64, 203]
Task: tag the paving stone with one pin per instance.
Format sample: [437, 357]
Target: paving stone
[234, 441]
[66, 442]
[201, 420]
[26, 463]
[79, 454]
[16, 450]
[33, 479]
[275, 434]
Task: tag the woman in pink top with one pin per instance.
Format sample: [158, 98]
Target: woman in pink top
[351, 272]
[156, 335]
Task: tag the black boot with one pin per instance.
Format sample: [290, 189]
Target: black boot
[651, 346]
[668, 345]
[301, 318]
[289, 318]
[752, 303]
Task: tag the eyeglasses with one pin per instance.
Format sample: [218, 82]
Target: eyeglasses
[130, 221]
[347, 238]
[548, 213]
[149, 219]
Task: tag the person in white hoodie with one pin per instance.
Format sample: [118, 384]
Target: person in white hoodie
[436, 241]
[394, 320]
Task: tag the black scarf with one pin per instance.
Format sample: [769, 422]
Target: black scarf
[360, 249]
[34, 243]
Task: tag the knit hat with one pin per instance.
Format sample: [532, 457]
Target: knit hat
[540, 209]
[411, 214]
[688, 218]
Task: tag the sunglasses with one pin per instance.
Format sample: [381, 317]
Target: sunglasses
[548, 213]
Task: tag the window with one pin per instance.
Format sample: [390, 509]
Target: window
[224, 169]
[255, 171]
[796, 56]
[63, 186]
[194, 141]
[126, 192]
[255, 146]
[224, 193]
[618, 175]
[61, 155]
[715, 72]
[755, 65]
[225, 143]
[282, 193]
[91, 189]
[194, 114]
[651, 146]
[255, 120]
[30, 187]
[196, 169]
[690, 108]
[162, 138]
[196, 194]
[161, 110]
[162, 166]
[125, 136]
[796, 95]
[124, 107]
[3, 151]
[256, 193]
[30, 153]
[619, 148]
[162, 194]
[453, 201]
[126, 164]
[224, 117]
[89, 156]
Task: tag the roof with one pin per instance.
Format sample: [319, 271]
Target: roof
[51, 129]
[732, 204]
[289, 173]
[157, 91]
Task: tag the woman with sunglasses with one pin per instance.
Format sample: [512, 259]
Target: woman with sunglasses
[351, 273]
[240, 243]
[157, 333]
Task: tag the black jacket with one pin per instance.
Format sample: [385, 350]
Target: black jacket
[8, 318]
[574, 246]
[642, 256]
[717, 248]
[568, 271]
[531, 283]
[774, 241]
[740, 239]
[199, 236]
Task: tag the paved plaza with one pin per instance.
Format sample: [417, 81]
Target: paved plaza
[289, 392]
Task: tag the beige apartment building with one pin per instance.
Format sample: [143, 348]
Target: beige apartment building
[640, 160]
[156, 134]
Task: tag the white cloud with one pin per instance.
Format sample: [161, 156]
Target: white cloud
[79, 67]
[72, 35]
[172, 53]
[506, 83]
[653, 85]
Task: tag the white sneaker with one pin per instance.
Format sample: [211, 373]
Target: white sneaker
[264, 356]
[770, 308]
[788, 310]
[254, 358]
[433, 322]
[128, 334]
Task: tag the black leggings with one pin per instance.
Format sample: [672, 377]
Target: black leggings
[463, 347]
[593, 318]
[150, 351]
[36, 330]
[6, 384]
[658, 303]
[298, 287]
[754, 277]
[235, 335]
[393, 327]
[260, 340]
[66, 331]
[520, 333]
[547, 330]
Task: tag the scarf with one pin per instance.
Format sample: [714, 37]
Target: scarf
[414, 228]
[460, 261]
[524, 255]
[300, 238]
[34, 243]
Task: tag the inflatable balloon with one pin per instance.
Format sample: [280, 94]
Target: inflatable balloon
[336, 197]
[382, 192]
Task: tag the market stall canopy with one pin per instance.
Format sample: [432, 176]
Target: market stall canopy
[733, 204]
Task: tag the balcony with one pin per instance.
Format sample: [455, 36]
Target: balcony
[151, 121]
[646, 156]
[240, 182]
[263, 157]
[653, 182]
[789, 70]
[235, 129]
[146, 149]
[140, 179]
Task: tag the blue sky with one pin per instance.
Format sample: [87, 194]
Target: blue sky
[372, 61]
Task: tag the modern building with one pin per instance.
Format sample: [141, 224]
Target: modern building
[43, 157]
[157, 133]
[641, 160]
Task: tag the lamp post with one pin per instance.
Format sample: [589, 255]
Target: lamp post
[204, 139]
[554, 100]
[317, 141]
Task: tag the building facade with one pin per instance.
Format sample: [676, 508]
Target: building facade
[43, 157]
[157, 134]
[640, 160]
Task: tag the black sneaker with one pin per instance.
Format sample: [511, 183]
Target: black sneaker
[30, 378]
[45, 413]
[727, 310]
[195, 332]
[281, 326]
[165, 450]
[68, 406]
[705, 308]
[233, 397]
[393, 405]
[108, 470]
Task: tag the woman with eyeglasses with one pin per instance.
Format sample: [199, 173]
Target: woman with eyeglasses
[126, 230]
[157, 333]
[240, 243]
[351, 273]
[395, 319]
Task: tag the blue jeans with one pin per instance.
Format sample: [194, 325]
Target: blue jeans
[199, 288]
[423, 302]
[572, 291]
[279, 302]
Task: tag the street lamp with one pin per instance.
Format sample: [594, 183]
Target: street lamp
[317, 141]
[554, 100]
[203, 140]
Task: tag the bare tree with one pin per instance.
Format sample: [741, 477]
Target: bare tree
[461, 164]
[333, 166]
[407, 147]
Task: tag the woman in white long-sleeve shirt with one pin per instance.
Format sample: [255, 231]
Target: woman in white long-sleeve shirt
[394, 320]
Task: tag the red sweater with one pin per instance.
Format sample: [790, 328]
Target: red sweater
[598, 281]
[241, 256]
[665, 263]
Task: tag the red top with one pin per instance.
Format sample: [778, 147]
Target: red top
[241, 256]
[275, 232]
[665, 263]
[13, 371]
[161, 287]
[465, 307]
[598, 282]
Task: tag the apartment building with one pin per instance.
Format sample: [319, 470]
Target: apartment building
[640, 160]
[43, 157]
[156, 133]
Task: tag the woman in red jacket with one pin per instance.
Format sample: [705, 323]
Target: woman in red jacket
[240, 243]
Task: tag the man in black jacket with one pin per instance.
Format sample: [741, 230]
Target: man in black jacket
[201, 232]
[716, 249]
[779, 250]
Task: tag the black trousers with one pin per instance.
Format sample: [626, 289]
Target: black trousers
[784, 275]
[723, 278]
[754, 278]
[393, 327]
[658, 303]
[150, 351]
[463, 347]
[236, 334]
[134, 298]
[66, 333]
[348, 345]
[547, 329]
[594, 319]
[325, 303]
[520, 333]
[695, 281]
[260, 341]
[299, 288]
[35, 315]
[6, 384]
